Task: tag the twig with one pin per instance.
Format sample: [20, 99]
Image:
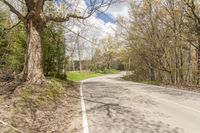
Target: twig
[10, 28]
[6, 124]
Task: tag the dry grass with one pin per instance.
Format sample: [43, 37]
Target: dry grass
[33, 109]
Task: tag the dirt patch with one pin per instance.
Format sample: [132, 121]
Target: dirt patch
[48, 108]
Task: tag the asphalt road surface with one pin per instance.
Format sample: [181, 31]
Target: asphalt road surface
[117, 106]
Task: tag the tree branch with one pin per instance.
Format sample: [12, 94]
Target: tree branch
[94, 6]
[10, 28]
[13, 10]
[60, 19]
[6, 124]
[22, 2]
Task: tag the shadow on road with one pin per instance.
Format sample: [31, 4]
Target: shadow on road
[106, 114]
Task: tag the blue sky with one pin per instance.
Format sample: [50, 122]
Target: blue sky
[102, 15]
[106, 17]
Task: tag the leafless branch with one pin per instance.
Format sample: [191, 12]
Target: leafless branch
[13, 10]
[6, 124]
[92, 9]
[10, 28]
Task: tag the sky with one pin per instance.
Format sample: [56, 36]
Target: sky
[100, 25]
[104, 24]
[106, 21]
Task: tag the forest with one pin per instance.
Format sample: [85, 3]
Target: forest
[162, 40]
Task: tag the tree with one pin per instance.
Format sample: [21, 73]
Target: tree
[12, 44]
[109, 49]
[35, 19]
[54, 51]
[162, 41]
[192, 10]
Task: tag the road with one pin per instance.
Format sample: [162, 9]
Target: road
[117, 106]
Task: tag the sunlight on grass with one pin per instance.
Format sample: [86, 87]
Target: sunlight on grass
[78, 76]
[113, 71]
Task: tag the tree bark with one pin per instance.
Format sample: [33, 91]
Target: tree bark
[189, 68]
[198, 62]
[198, 52]
[33, 68]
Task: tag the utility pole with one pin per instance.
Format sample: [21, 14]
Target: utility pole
[79, 53]
[129, 64]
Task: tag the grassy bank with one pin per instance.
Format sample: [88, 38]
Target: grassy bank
[29, 108]
[132, 78]
[78, 76]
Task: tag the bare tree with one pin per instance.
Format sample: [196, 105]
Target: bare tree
[192, 12]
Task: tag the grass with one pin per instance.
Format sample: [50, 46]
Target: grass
[151, 82]
[36, 97]
[30, 99]
[132, 78]
[78, 76]
[32, 106]
[113, 71]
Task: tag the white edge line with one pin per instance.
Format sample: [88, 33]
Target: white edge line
[84, 114]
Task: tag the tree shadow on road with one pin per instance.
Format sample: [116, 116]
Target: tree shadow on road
[112, 117]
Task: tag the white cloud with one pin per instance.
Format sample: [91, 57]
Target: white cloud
[99, 29]
[96, 29]
[119, 9]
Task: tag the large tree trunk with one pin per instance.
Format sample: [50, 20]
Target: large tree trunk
[33, 68]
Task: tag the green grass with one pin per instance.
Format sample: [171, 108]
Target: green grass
[113, 71]
[129, 78]
[151, 82]
[36, 97]
[78, 76]
[109, 71]
[132, 78]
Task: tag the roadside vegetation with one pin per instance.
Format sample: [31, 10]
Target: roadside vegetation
[78, 76]
[28, 108]
[162, 42]
[133, 78]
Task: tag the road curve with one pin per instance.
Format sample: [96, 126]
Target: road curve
[117, 106]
